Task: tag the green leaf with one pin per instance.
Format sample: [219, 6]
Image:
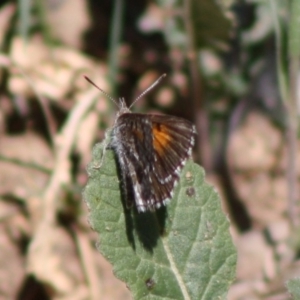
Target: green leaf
[293, 286]
[183, 251]
[211, 25]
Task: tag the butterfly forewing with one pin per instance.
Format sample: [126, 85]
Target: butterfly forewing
[173, 139]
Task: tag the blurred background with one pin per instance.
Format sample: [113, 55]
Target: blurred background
[232, 70]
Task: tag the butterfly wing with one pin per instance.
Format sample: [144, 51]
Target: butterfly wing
[132, 143]
[151, 150]
[173, 140]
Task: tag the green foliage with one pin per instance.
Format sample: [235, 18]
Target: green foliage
[24, 17]
[183, 251]
[293, 286]
[208, 31]
[202, 15]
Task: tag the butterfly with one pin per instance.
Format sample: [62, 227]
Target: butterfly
[151, 151]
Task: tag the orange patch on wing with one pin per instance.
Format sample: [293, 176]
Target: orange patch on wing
[161, 138]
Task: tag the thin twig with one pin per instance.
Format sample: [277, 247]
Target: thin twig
[289, 98]
[60, 177]
[21, 163]
[292, 144]
[200, 116]
[63, 147]
[87, 256]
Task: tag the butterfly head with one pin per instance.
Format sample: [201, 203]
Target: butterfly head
[123, 108]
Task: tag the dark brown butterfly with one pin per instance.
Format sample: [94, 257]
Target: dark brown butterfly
[151, 151]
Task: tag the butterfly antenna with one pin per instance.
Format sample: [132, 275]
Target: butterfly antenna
[97, 87]
[148, 89]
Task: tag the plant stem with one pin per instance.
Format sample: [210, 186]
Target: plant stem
[292, 123]
[114, 43]
[200, 115]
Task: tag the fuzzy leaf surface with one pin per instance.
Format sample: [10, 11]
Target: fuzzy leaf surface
[293, 286]
[182, 251]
